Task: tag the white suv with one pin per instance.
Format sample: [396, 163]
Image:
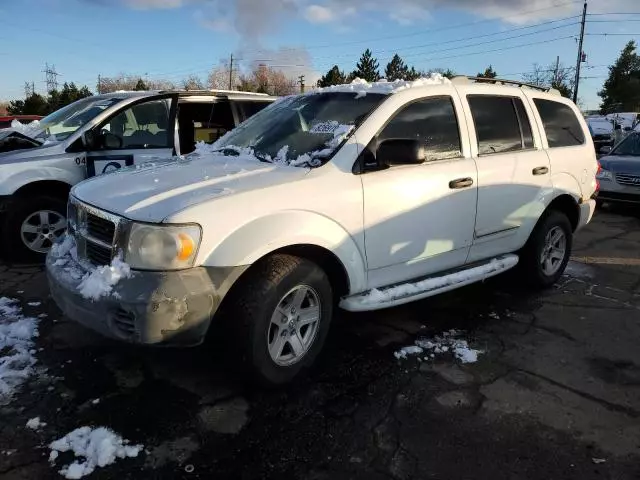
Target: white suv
[364, 196]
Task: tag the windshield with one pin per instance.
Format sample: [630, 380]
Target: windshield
[302, 130]
[629, 146]
[64, 122]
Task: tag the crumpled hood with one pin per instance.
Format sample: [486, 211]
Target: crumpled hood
[621, 164]
[153, 191]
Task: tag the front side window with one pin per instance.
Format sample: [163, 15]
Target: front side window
[249, 108]
[501, 124]
[560, 124]
[630, 146]
[143, 125]
[431, 121]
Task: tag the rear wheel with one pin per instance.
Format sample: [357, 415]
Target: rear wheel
[32, 226]
[545, 257]
[280, 315]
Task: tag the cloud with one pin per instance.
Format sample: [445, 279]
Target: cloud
[292, 61]
[319, 14]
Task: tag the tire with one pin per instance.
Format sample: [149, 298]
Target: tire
[24, 213]
[537, 273]
[271, 283]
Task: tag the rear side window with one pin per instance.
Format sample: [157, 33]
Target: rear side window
[502, 124]
[433, 122]
[249, 108]
[560, 124]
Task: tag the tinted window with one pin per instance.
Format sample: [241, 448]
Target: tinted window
[496, 122]
[525, 124]
[432, 121]
[560, 124]
[144, 125]
[248, 108]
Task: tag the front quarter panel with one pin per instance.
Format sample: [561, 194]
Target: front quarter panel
[254, 240]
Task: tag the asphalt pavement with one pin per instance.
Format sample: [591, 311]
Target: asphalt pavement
[555, 393]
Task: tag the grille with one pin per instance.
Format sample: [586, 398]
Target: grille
[628, 179]
[125, 322]
[605, 138]
[100, 228]
[97, 254]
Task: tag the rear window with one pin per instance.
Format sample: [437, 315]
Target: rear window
[560, 124]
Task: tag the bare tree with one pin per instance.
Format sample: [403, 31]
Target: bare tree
[193, 82]
[128, 82]
[3, 108]
[555, 75]
[218, 78]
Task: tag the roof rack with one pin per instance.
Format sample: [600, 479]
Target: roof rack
[465, 79]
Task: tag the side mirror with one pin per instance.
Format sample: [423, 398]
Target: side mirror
[111, 141]
[90, 140]
[605, 149]
[401, 152]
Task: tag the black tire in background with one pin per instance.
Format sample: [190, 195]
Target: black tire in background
[252, 304]
[531, 257]
[21, 209]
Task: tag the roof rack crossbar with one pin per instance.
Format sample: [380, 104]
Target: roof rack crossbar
[505, 82]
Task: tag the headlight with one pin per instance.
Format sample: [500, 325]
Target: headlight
[604, 175]
[162, 247]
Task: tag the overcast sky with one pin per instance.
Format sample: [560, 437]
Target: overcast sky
[171, 39]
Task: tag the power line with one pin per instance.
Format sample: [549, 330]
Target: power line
[611, 34]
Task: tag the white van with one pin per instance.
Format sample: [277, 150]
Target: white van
[364, 196]
[40, 163]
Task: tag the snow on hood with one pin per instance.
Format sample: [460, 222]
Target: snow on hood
[153, 191]
[361, 87]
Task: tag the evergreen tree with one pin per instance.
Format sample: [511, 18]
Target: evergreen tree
[140, 85]
[621, 91]
[332, 77]
[33, 105]
[396, 69]
[367, 68]
[413, 74]
[489, 72]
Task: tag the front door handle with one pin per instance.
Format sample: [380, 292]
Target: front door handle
[540, 171]
[461, 183]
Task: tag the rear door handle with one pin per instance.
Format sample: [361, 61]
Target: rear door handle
[461, 183]
[540, 171]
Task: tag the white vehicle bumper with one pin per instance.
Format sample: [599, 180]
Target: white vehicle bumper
[586, 212]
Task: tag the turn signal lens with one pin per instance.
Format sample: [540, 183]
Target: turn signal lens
[186, 246]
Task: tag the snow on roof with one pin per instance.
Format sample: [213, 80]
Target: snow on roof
[362, 87]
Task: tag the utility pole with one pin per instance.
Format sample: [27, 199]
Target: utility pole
[301, 82]
[556, 71]
[579, 62]
[231, 73]
[51, 77]
[29, 89]
[99, 84]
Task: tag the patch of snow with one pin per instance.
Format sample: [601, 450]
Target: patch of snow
[100, 282]
[361, 87]
[408, 289]
[43, 315]
[34, 304]
[96, 447]
[16, 344]
[35, 423]
[95, 282]
[445, 343]
[29, 129]
[95, 401]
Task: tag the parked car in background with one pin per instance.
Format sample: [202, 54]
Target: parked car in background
[39, 164]
[362, 195]
[602, 132]
[619, 173]
[5, 122]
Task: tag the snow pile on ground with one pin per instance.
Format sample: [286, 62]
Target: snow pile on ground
[95, 282]
[16, 347]
[409, 289]
[448, 342]
[361, 87]
[35, 423]
[98, 447]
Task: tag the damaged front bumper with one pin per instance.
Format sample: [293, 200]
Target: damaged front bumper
[169, 308]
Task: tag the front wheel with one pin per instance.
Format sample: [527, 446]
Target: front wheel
[545, 257]
[32, 226]
[281, 315]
